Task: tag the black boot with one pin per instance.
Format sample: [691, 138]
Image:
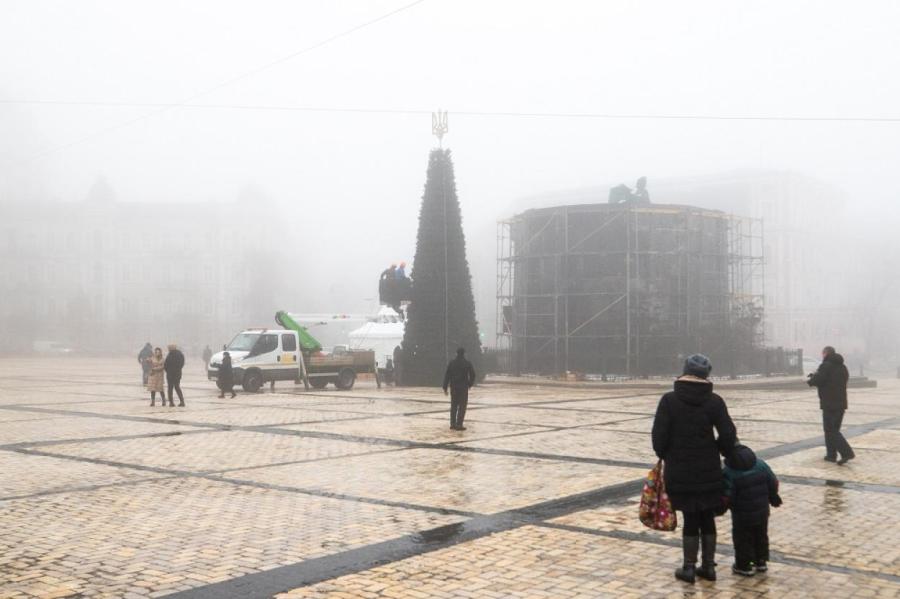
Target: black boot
[688, 572]
[707, 567]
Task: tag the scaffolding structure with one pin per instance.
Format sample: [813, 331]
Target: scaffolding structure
[628, 289]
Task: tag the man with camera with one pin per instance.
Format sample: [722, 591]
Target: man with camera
[831, 382]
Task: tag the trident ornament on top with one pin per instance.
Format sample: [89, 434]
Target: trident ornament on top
[439, 125]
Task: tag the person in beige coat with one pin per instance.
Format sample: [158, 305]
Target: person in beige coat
[156, 379]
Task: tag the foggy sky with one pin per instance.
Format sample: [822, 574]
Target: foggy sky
[357, 178]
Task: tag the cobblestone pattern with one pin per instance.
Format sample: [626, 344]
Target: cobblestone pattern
[533, 562]
[154, 538]
[274, 479]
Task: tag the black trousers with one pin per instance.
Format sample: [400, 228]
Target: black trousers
[146, 373]
[459, 399]
[751, 543]
[698, 522]
[835, 443]
[175, 383]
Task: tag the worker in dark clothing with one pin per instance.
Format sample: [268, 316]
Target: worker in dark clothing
[174, 365]
[460, 376]
[831, 382]
[144, 360]
[398, 366]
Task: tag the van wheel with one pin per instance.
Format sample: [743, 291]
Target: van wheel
[253, 380]
[345, 379]
[318, 383]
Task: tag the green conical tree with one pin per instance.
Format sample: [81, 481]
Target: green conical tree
[441, 314]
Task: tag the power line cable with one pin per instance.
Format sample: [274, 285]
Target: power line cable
[475, 113]
[160, 108]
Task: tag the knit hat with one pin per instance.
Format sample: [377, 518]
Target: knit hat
[698, 365]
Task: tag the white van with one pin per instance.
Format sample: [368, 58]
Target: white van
[260, 356]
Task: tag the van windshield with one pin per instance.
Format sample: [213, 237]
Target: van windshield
[243, 342]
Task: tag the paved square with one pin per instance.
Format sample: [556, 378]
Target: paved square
[368, 494]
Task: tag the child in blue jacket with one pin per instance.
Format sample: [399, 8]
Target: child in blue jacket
[750, 488]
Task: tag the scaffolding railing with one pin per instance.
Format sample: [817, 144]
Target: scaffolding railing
[664, 280]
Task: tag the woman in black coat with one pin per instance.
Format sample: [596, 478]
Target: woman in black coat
[683, 438]
[226, 376]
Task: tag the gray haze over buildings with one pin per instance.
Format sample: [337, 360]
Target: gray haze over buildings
[186, 222]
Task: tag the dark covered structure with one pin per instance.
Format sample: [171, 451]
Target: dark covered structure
[629, 289]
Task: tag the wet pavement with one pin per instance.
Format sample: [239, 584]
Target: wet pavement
[368, 494]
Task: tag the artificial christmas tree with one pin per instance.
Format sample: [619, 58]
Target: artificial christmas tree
[441, 315]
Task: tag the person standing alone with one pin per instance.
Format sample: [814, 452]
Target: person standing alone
[226, 376]
[144, 360]
[207, 356]
[831, 382]
[460, 376]
[155, 380]
[174, 366]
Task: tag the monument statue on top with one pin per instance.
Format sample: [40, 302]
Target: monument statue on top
[622, 194]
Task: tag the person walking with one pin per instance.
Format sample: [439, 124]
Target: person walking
[144, 360]
[684, 438]
[750, 488]
[830, 380]
[207, 356]
[226, 376]
[174, 366]
[156, 367]
[460, 377]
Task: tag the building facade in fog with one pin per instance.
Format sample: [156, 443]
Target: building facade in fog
[805, 248]
[102, 275]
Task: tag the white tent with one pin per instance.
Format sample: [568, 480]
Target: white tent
[381, 335]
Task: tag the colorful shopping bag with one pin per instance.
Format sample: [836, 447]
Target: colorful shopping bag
[656, 510]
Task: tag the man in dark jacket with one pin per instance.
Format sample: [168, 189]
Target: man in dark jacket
[831, 382]
[684, 438]
[460, 376]
[750, 488]
[173, 366]
[144, 360]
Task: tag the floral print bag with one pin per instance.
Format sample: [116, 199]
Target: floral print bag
[656, 510]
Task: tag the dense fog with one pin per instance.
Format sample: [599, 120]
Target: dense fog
[178, 171]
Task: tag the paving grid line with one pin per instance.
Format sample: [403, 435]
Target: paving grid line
[775, 556]
[786, 448]
[211, 476]
[85, 488]
[309, 572]
[395, 443]
[278, 580]
[275, 430]
[474, 406]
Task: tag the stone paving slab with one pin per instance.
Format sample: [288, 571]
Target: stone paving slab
[543, 416]
[884, 469]
[178, 533]
[413, 428]
[533, 562]
[33, 431]
[817, 524]
[581, 442]
[462, 481]
[213, 450]
[24, 474]
[531, 501]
